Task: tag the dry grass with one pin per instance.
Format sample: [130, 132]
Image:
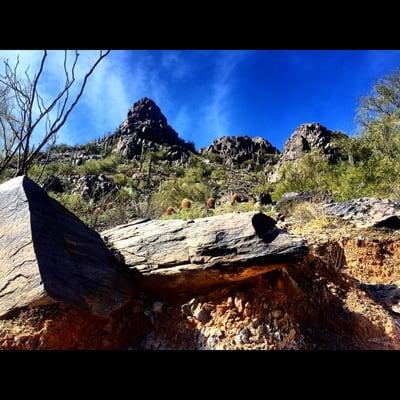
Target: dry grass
[310, 217]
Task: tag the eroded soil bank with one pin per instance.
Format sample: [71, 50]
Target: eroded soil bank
[341, 297]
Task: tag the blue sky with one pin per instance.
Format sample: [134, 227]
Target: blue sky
[209, 93]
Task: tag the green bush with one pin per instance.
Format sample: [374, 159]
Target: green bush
[193, 185]
[96, 167]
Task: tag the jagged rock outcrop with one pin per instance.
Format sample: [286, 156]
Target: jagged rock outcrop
[367, 212]
[308, 137]
[49, 255]
[238, 149]
[187, 255]
[290, 199]
[146, 128]
[305, 138]
[94, 187]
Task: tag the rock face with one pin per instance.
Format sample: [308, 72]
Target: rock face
[47, 254]
[187, 255]
[94, 187]
[147, 127]
[308, 137]
[367, 212]
[238, 149]
[290, 199]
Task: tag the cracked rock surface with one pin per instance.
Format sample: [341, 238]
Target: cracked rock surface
[49, 255]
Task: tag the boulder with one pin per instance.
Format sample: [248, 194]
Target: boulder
[49, 255]
[94, 187]
[238, 149]
[290, 199]
[264, 199]
[53, 184]
[367, 212]
[187, 255]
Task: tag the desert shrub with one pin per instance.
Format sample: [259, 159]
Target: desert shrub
[127, 168]
[61, 148]
[120, 179]
[92, 148]
[213, 157]
[311, 172]
[96, 167]
[7, 174]
[370, 160]
[197, 210]
[193, 185]
[160, 154]
[264, 187]
[53, 168]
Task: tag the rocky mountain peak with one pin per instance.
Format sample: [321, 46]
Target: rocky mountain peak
[307, 137]
[238, 149]
[146, 109]
[146, 128]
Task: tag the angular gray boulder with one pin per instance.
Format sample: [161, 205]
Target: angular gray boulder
[187, 255]
[48, 254]
[367, 212]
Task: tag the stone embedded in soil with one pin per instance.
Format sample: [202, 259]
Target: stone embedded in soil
[203, 312]
[187, 255]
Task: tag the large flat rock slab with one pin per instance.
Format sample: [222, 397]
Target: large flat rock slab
[186, 255]
[47, 254]
[367, 212]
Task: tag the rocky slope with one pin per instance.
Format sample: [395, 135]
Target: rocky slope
[241, 280]
[308, 137]
[305, 138]
[146, 128]
[235, 150]
[254, 286]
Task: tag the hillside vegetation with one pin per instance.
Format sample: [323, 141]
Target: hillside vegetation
[149, 184]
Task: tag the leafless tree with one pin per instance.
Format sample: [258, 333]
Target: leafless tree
[24, 116]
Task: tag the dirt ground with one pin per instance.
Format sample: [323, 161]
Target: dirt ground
[341, 297]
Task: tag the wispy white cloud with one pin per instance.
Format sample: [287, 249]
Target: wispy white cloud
[218, 111]
[175, 63]
[125, 76]
[118, 81]
[102, 99]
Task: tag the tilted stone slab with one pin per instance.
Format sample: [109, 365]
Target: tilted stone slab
[185, 255]
[47, 254]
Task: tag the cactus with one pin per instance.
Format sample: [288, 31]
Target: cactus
[186, 203]
[97, 212]
[169, 211]
[210, 203]
[235, 198]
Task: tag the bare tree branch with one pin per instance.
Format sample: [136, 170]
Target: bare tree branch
[17, 122]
